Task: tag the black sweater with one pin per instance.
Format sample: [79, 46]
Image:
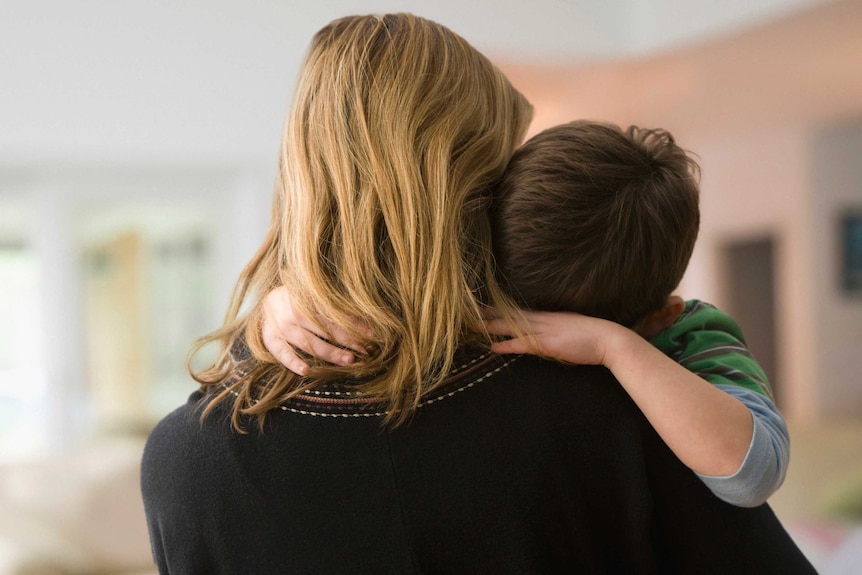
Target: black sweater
[520, 467]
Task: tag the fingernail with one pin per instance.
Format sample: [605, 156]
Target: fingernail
[346, 358]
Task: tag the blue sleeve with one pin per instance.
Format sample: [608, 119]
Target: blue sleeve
[765, 465]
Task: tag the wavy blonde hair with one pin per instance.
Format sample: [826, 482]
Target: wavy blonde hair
[397, 135]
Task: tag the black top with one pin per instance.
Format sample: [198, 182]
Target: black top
[517, 465]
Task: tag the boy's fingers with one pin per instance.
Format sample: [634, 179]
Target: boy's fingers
[280, 345]
[321, 349]
[335, 335]
[344, 339]
[509, 346]
[295, 323]
[272, 338]
[499, 327]
[288, 358]
[517, 345]
[294, 364]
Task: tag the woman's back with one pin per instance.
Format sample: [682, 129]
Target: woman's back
[521, 466]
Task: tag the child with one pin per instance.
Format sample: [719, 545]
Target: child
[594, 220]
[600, 222]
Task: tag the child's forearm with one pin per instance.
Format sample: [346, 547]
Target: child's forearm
[765, 465]
[709, 430]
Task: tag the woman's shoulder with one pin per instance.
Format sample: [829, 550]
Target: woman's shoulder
[178, 420]
[532, 390]
[547, 377]
[175, 442]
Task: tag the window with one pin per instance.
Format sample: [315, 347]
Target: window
[23, 388]
[107, 279]
[147, 275]
[851, 244]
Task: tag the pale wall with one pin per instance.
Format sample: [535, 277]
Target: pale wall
[835, 186]
[755, 184]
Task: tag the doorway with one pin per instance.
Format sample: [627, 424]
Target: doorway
[749, 279]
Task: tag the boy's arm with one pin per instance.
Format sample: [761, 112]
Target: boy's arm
[709, 343]
[709, 430]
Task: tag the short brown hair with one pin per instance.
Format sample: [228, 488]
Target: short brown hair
[597, 220]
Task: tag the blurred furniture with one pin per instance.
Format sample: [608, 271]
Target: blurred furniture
[78, 514]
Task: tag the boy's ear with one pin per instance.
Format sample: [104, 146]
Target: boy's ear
[662, 318]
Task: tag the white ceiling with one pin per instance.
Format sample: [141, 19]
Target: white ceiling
[209, 80]
[586, 29]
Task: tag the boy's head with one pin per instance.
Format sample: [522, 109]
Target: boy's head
[596, 220]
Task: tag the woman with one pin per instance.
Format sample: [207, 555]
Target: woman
[429, 454]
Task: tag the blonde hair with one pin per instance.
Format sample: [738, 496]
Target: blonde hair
[397, 135]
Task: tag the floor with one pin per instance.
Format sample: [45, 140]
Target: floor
[825, 465]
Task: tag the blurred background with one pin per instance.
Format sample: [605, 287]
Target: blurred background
[138, 146]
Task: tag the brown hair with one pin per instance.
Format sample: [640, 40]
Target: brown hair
[398, 132]
[593, 219]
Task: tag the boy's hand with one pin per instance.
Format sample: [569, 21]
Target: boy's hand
[285, 328]
[565, 336]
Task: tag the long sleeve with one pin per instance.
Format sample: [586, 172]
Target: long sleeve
[765, 465]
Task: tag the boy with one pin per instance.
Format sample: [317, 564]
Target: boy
[594, 220]
[600, 222]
